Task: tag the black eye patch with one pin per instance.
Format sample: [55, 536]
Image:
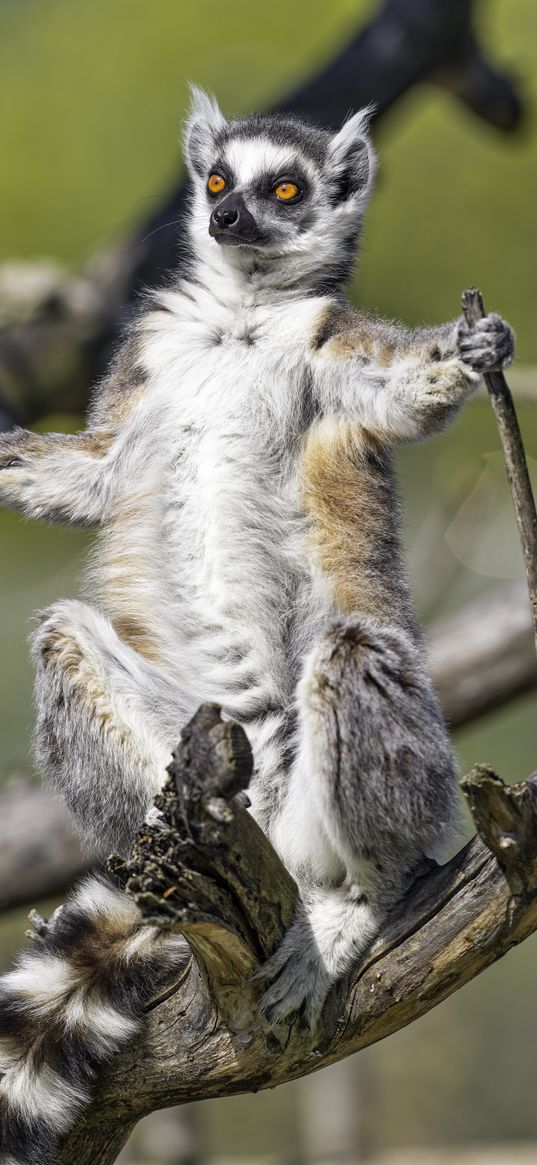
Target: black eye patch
[268, 186]
[222, 171]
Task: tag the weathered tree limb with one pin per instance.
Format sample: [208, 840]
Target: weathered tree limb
[213, 875]
[484, 656]
[40, 855]
[56, 330]
[481, 658]
[514, 456]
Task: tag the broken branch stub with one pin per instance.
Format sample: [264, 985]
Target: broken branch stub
[208, 870]
[506, 820]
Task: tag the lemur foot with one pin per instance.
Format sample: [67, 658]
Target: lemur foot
[297, 980]
[488, 345]
[41, 928]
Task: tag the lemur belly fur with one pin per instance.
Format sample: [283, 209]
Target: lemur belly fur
[238, 460]
[253, 520]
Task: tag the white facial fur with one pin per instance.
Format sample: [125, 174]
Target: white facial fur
[319, 232]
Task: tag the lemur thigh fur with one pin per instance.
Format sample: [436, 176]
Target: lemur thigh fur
[238, 461]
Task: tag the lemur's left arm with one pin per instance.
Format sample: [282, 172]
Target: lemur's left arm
[75, 477]
[403, 385]
[58, 477]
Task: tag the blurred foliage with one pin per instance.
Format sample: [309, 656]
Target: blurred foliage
[91, 100]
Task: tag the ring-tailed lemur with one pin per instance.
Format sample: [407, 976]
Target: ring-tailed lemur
[238, 459]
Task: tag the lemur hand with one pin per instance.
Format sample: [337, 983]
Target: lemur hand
[12, 446]
[489, 345]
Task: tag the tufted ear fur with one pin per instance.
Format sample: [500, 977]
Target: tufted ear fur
[351, 159]
[203, 124]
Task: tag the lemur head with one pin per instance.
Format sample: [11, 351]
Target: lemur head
[274, 194]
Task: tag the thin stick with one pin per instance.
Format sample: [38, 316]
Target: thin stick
[514, 456]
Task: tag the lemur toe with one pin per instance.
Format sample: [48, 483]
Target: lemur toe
[297, 985]
[41, 928]
[294, 994]
[272, 967]
[244, 799]
[155, 817]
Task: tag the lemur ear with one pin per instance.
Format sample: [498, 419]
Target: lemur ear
[351, 157]
[203, 124]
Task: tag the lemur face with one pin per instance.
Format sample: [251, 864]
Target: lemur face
[273, 185]
[258, 194]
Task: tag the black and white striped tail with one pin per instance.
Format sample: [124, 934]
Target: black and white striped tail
[70, 1003]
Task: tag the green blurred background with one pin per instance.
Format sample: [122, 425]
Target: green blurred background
[91, 101]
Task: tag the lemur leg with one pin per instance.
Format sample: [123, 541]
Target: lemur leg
[107, 720]
[372, 791]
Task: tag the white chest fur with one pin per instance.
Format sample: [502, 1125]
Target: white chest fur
[230, 398]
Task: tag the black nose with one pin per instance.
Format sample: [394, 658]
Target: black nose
[226, 216]
[232, 223]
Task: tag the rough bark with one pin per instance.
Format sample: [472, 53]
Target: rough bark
[56, 330]
[214, 876]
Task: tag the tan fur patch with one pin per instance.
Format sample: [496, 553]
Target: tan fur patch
[350, 496]
[57, 647]
[60, 649]
[343, 333]
[97, 443]
[126, 570]
[119, 405]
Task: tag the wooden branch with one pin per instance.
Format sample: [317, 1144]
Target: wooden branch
[505, 819]
[57, 330]
[514, 456]
[213, 875]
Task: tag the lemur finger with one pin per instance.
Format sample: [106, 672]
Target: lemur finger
[300, 988]
[492, 339]
[244, 799]
[9, 459]
[490, 322]
[485, 357]
[285, 996]
[155, 817]
[272, 967]
[490, 344]
[313, 1008]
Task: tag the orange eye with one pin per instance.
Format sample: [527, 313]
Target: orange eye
[216, 183]
[286, 191]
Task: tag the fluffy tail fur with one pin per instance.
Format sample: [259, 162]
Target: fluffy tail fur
[67, 1007]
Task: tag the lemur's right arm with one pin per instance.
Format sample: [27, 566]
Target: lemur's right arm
[403, 385]
[74, 477]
